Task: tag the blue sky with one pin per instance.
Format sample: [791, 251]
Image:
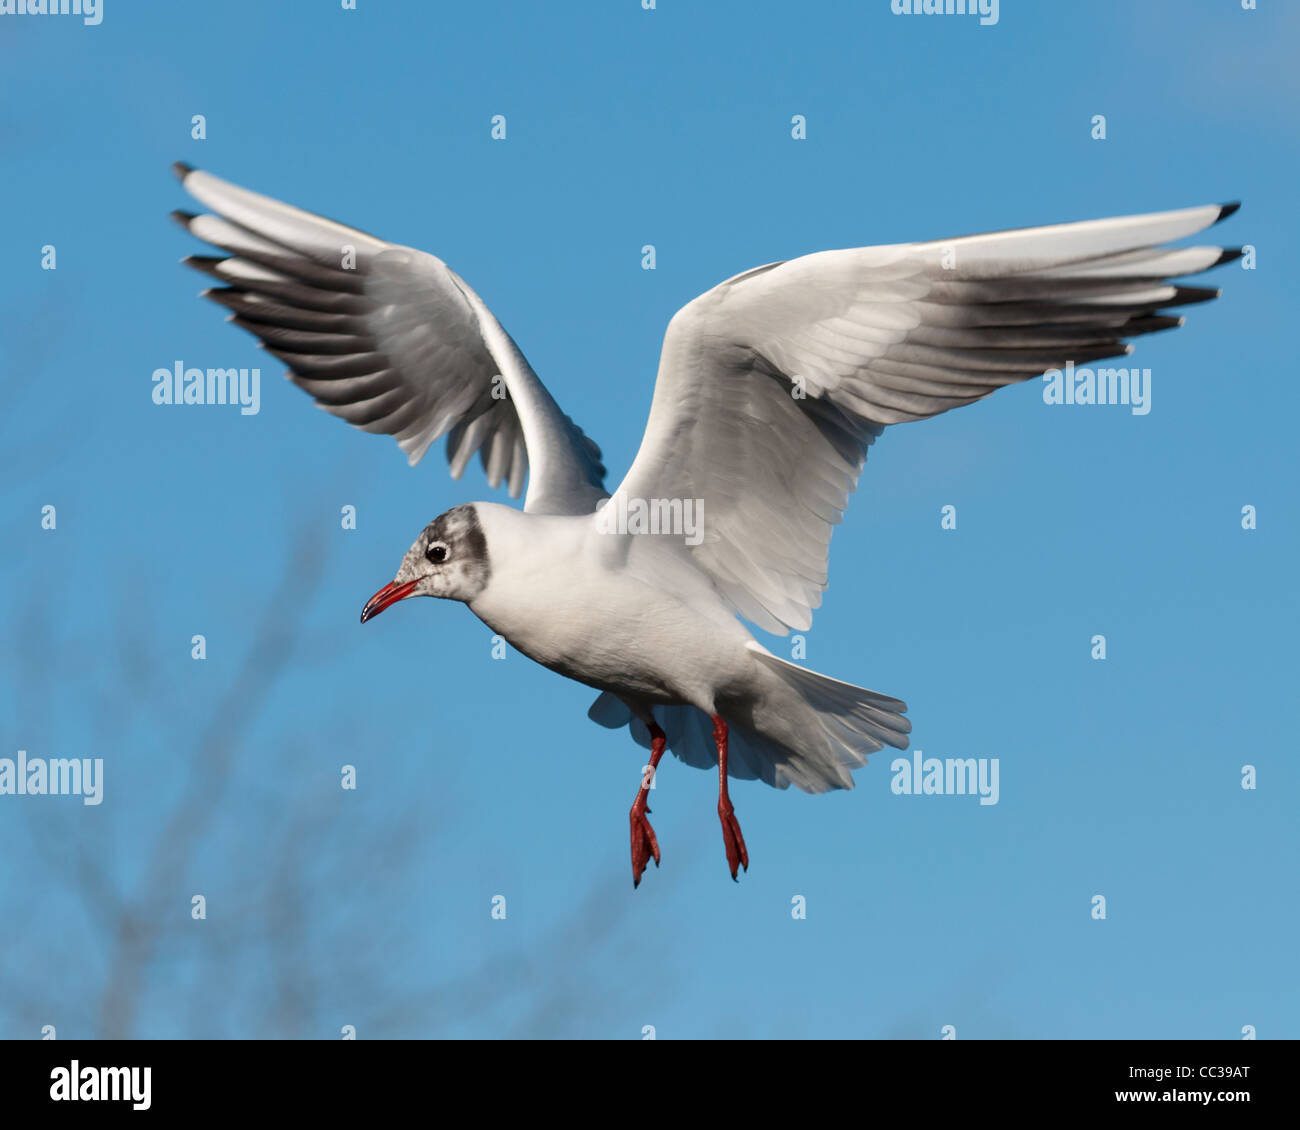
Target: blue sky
[482, 777]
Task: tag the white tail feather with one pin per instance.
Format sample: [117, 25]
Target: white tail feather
[812, 736]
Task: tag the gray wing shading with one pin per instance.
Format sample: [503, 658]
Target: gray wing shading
[690, 739]
[392, 340]
[773, 384]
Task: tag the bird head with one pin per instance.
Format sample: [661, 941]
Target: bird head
[448, 560]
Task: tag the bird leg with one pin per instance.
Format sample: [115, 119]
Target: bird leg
[644, 842]
[734, 842]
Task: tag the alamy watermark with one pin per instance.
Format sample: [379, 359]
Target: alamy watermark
[76, 1083]
[987, 10]
[90, 11]
[179, 385]
[56, 776]
[1099, 386]
[950, 776]
[674, 517]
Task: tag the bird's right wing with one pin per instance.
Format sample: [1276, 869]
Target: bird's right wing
[392, 340]
[773, 384]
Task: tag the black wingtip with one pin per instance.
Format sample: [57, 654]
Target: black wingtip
[1230, 255]
[182, 218]
[208, 264]
[181, 169]
[1226, 210]
[1190, 295]
[1151, 323]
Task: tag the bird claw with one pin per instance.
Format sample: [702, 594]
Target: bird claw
[733, 840]
[645, 845]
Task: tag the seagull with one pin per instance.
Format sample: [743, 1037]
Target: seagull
[771, 387]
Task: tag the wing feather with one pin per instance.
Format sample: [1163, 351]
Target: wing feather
[773, 384]
[391, 340]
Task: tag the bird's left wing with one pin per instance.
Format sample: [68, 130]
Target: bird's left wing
[392, 340]
[773, 384]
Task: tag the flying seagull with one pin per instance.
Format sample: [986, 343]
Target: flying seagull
[771, 387]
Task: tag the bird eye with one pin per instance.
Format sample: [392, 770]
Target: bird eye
[436, 553]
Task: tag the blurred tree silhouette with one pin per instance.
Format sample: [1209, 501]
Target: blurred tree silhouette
[300, 938]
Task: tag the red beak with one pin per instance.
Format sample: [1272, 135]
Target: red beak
[389, 594]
